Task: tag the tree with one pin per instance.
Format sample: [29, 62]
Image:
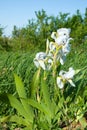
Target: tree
[1, 30]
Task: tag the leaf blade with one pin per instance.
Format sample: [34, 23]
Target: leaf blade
[22, 94]
[15, 103]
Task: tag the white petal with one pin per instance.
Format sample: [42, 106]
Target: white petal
[64, 32]
[71, 82]
[66, 49]
[49, 64]
[36, 63]
[39, 60]
[61, 73]
[61, 40]
[60, 82]
[53, 35]
[61, 57]
[69, 74]
[42, 64]
[61, 61]
[40, 55]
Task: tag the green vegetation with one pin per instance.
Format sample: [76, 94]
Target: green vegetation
[36, 32]
[16, 57]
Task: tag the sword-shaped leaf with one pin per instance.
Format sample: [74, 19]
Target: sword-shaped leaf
[15, 103]
[22, 94]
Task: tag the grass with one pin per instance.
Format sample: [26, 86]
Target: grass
[22, 64]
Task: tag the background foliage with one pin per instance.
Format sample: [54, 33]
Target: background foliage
[35, 33]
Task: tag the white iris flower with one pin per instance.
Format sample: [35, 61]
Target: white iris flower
[61, 36]
[65, 77]
[64, 32]
[43, 61]
[62, 52]
[39, 60]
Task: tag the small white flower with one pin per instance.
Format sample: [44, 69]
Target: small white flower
[65, 77]
[64, 32]
[40, 59]
[61, 36]
[43, 60]
[59, 39]
[60, 33]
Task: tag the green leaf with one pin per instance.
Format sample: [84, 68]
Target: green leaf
[46, 93]
[20, 86]
[4, 119]
[15, 103]
[47, 111]
[40, 106]
[54, 107]
[16, 119]
[35, 82]
[22, 94]
[20, 121]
